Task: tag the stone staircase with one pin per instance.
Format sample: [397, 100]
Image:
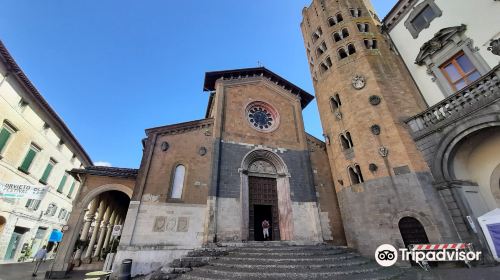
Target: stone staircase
[279, 260]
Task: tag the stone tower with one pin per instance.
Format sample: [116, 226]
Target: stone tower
[364, 93]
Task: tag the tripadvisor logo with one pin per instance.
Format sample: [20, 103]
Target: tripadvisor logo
[386, 255]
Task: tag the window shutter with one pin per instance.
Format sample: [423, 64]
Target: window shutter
[28, 160]
[71, 189]
[4, 136]
[63, 182]
[46, 173]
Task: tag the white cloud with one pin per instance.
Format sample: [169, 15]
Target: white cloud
[102, 163]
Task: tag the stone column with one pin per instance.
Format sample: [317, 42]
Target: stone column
[86, 226]
[102, 233]
[93, 239]
[109, 230]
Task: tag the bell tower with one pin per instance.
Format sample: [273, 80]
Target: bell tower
[364, 94]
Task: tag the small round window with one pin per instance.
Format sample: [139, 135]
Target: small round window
[262, 116]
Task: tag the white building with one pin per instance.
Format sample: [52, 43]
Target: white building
[451, 49]
[36, 148]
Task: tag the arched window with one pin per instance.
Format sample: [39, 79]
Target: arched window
[371, 44]
[336, 37]
[351, 49]
[335, 102]
[355, 174]
[345, 33]
[355, 12]
[342, 53]
[332, 21]
[178, 183]
[363, 27]
[346, 141]
[339, 17]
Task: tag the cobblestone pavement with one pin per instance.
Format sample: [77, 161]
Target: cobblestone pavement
[23, 271]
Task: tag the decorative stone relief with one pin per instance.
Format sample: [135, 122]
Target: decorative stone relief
[338, 114]
[202, 151]
[170, 223]
[495, 46]
[159, 225]
[383, 151]
[375, 129]
[375, 100]
[150, 198]
[261, 166]
[182, 224]
[165, 146]
[358, 82]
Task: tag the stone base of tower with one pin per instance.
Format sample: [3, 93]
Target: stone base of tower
[372, 211]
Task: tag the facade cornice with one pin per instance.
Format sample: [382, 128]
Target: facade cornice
[55, 121]
[397, 13]
[315, 141]
[181, 127]
[107, 171]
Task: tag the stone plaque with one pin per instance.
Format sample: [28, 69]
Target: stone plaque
[159, 225]
[182, 224]
[400, 170]
[170, 223]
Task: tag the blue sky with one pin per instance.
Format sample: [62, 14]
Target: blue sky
[114, 68]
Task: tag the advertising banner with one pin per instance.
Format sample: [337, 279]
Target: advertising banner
[8, 190]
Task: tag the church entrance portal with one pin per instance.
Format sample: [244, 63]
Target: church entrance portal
[263, 204]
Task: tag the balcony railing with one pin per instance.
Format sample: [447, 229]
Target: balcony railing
[474, 97]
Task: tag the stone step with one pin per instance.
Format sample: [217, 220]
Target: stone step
[290, 249]
[303, 265]
[291, 259]
[365, 274]
[270, 254]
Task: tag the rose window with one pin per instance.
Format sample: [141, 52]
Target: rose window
[262, 116]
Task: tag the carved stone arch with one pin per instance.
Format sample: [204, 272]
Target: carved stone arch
[442, 163]
[101, 189]
[430, 227]
[270, 160]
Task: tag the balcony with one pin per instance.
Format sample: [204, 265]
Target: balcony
[474, 97]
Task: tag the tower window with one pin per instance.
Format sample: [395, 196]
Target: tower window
[351, 49]
[355, 12]
[326, 64]
[321, 49]
[346, 141]
[335, 102]
[355, 174]
[317, 34]
[332, 21]
[178, 182]
[342, 53]
[363, 27]
[337, 37]
[371, 44]
[345, 33]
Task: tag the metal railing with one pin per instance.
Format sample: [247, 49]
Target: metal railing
[473, 97]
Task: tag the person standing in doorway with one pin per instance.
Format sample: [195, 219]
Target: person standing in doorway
[265, 229]
[40, 256]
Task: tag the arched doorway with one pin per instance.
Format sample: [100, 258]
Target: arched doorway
[412, 231]
[265, 194]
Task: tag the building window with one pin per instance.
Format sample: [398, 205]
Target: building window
[363, 27]
[351, 49]
[321, 49]
[178, 183]
[62, 214]
[47, 171]
[28, 159]
[5, 134]
[51, 210]
[355, 174]
[326, 64]
[71, 189]
[355, 12]
[317, 34]
[371, 44]
[33, 204]
[346, 141]
[421, 16]
[459, 71]
[62, 183]
[337, 36]
[335, 102]
[335, 20]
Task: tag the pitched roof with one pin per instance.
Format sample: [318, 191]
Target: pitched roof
[212, 77]
[18, 73]
[107, 171]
